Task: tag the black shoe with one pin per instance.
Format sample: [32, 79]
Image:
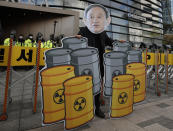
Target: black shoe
[99, 113]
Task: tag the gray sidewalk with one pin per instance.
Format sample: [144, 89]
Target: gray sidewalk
[153, 114]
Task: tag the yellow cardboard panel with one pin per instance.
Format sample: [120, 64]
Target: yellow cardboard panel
[4, 55]
[162, 58]
[151, 58]
[23, 56]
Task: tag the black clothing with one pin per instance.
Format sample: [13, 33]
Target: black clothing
[98, 41]
[99, 113]
[105, 40]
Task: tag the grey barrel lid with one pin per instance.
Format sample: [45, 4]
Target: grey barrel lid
[58, 55]
[115, 58]
[57, 52]
[134, 55]
[74, 43]
[119, 46]
[84, 56]
[134, 52]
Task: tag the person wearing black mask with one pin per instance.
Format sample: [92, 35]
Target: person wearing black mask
[97, 18]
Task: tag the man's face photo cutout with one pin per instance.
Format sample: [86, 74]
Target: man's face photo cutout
[96, 19]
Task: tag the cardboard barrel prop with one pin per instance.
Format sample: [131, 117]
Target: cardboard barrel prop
[115, 64]
[122, 95]
[86, 62]
[74, 43]
[53, 92]
[138, 70]
[134, 56]
[119, 46]
[78, 101]
[58, 56]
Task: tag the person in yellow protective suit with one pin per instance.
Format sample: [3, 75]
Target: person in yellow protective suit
[20, 41]
[7, 40]
[49, 43]
[29, 42]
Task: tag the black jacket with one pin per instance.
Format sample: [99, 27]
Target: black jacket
[94, 40]
[105, 40]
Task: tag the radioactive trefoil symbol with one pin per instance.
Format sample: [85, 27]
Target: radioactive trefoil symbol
[79, 104]
[136, 85]
[122, 98]
[58, 96]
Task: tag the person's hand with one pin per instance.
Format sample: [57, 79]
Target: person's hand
[78, 36]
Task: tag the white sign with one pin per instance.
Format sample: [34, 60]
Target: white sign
[137, 17]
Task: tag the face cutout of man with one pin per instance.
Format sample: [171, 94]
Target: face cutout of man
[96, 20]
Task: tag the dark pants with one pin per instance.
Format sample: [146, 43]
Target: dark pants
[97, 97]
[97, 101]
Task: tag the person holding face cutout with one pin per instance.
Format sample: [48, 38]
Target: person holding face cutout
[97, 18]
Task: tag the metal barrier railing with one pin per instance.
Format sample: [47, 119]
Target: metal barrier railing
[4, 114]
[159, 68]
[9, 84]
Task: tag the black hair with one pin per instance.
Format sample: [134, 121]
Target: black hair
[96, 5]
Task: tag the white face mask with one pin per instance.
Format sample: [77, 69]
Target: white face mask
[96, 20]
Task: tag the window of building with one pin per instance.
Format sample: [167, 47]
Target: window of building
[120, 36]
[121, 29]
[120, 21]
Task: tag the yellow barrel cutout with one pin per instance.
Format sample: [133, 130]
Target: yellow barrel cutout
[53, 92]
[122, 95]
[78, 101]
[138, 70]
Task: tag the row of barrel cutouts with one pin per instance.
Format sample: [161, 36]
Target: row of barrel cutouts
[69, 98]
[71, 77]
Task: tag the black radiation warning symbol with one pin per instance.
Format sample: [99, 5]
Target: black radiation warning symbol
[136, 85]
[79, 104]
[58, 96]
[122, 98]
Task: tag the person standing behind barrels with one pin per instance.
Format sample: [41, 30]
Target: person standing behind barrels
[96, 18]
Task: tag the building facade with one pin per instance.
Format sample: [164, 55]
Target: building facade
[167, 15]
[132, 20]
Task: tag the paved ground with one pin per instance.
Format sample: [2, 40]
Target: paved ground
[153, 114]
